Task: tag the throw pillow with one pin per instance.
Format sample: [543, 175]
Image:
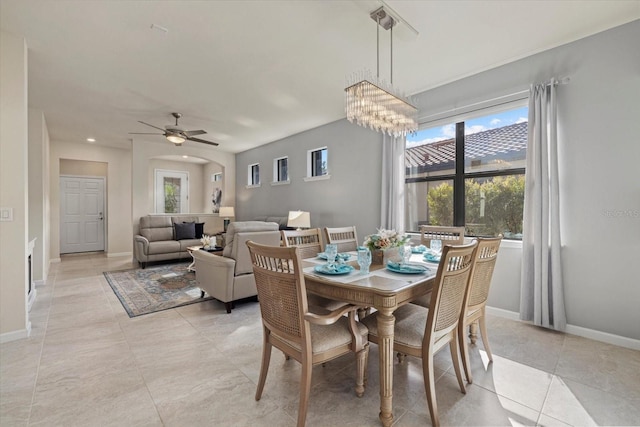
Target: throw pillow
[199, 229]
[186, 230]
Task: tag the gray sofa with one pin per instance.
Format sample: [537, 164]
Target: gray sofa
[157, 239]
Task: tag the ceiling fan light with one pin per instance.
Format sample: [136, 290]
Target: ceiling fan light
[176, 139]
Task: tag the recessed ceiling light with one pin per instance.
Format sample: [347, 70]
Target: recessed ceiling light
[185, 157]
[91, 140]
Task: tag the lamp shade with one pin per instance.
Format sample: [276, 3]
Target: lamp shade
[299, 219]
[227, 211]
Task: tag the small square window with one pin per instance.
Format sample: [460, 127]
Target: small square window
[317, 162]
[281, 169]
[253, 174]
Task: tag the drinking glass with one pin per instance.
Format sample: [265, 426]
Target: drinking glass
[436, 245]
[331, 250]
[364, 260]
[406, 254]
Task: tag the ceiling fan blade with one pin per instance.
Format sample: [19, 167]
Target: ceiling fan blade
[203, 141]
[144, 133]
[140, 121]
[194, 132]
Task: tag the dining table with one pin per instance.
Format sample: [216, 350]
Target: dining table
[380, 288]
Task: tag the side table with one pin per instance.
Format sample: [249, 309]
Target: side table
[190, 249]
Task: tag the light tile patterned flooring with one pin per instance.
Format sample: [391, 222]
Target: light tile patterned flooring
[88, 364]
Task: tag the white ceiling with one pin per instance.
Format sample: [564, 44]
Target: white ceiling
[251, 72]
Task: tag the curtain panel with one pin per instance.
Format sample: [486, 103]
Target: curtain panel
[393, 188]
[541, 294]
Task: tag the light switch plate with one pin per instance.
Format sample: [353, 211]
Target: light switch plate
[6, 214]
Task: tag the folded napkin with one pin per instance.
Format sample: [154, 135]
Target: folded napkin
[432, 256]
[334, 268]
[341, 256]
[406, 267]
[418, 249]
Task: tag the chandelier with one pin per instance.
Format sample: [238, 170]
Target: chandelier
[371, 102]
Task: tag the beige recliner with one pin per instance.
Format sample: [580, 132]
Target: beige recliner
[229, 277]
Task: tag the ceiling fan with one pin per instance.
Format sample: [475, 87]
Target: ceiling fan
[176, 134]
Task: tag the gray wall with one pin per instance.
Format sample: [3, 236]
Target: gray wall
[599, 153]
[350, 197]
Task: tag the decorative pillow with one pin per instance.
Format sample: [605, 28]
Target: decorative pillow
[199, 229]
[186, 230]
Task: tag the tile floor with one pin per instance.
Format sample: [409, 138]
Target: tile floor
[88, 364]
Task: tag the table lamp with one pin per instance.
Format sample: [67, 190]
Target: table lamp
[299, 219]
[226, 212]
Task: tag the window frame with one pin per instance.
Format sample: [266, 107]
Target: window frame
[159, 194]
[276, 171]
[250, 175]
[310, 163]
[460, 176]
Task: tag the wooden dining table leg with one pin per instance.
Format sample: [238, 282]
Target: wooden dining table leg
[386, 322]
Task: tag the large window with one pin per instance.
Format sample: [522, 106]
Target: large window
[469, 172]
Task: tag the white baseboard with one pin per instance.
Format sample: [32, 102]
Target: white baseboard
[16, 335]
[577, 330]
[513, 315]
[117, 254]
[604, 337]
[32, 298]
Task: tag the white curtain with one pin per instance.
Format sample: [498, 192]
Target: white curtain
[541, 294]
[393, 172]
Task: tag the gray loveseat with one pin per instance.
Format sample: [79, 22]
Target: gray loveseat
[160, 239]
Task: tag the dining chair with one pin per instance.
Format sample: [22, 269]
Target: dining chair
[422, 332]
[345, 237]
[448, 235]
[309, 242]
[289, 325]
[476, 296]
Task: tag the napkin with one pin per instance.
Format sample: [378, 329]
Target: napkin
[418, 249]
[406, 267]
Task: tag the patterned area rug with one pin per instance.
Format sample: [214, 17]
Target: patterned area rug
[154, 288]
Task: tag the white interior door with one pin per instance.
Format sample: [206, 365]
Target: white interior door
[81, 214]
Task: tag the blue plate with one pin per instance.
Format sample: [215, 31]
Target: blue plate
[431, 257]
[335, 270]
[407, 268]
[344, 256]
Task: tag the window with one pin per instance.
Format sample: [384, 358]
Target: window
[317, 162]
[280, 169]
[469, 173]
[253, 180]
[172, 191]
[216, 177]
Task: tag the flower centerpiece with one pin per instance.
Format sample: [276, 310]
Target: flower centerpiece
[208, 242]
[384, 245]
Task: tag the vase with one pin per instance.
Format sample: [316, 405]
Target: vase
[379, 256]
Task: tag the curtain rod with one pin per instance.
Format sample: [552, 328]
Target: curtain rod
[512, 97]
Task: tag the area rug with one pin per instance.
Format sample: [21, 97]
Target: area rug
[144, 291]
